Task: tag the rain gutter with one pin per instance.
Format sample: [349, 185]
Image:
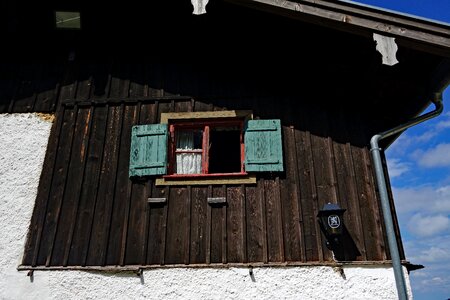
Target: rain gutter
[382, 188]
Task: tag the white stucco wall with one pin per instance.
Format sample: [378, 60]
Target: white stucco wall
[23, 141]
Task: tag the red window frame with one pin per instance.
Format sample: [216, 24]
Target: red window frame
[204, 125]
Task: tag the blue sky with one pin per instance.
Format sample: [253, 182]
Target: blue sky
[419, 167]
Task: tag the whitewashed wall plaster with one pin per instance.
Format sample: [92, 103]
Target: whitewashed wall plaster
[23, 143]
[22, 149]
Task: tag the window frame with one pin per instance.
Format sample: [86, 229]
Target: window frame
[205, 125]
[169, 117]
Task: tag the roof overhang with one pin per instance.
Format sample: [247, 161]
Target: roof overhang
[417, 33]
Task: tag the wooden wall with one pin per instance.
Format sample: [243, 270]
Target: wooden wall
[88, 212]
[328, 88]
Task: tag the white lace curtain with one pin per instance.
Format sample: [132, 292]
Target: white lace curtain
[187, 163]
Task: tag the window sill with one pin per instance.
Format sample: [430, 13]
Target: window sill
[206, 179]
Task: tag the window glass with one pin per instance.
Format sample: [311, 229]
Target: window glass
[67, 19]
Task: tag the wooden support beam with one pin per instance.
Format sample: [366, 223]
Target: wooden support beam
[421, 34]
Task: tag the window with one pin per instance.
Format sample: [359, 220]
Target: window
[206, 145]
[67, 19]
[206, 148]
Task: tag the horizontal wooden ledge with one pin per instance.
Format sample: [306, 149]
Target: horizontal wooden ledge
[100, 101]
[137, 268]
[248, 179]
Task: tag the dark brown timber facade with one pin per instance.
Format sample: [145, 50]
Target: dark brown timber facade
[320, 76]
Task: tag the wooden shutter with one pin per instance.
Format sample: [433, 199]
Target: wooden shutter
[148, 154]
[263, 146]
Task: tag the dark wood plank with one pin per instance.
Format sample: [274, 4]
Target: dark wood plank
[85, 82]
[137, 85]
[98, 243]
[57, 187]
[149, 113]
[217, 217]
[171, 79]
[208, 227]
[199, 105]
[8, 85]
[40, 208]
[183, 106]
[25, 95]
[199, 210]
[376, 204]
[275, 245]
[254, 224]
[120, 82]
[236, 235]
[48, 84]
[125, 223]
[187, 229]
[224, 228]
[157, 227]
[261, 193]
[366, 197]
[323, 166]
[290, 198]
[164, 107]
[89, 193]
[67, 91]
[71, 196]
[394, 214]
[136, 237]
[176, 225]
[154, 80]
[308, 197]
[120, 213]
[68, 87]
[189, 80]
[345, 173]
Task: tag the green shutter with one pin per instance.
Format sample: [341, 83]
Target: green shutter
[148, 153]
[263, 146]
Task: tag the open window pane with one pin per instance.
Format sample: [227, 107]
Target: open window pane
[225, 150]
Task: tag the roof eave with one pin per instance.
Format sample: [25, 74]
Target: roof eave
[420, 34]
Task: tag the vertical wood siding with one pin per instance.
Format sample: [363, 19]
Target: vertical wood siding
[88, 211]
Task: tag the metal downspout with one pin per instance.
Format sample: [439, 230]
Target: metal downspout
[381, 183]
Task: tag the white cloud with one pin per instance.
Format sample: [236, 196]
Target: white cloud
[426, 136]
[409, 142]
[400, 146]
[397, 167]
[433, 254]
[430, 283]
[438, 156]
[425, 199]
[444, 124]
[424, 226]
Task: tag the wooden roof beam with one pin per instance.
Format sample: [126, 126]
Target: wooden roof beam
[420, 34]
